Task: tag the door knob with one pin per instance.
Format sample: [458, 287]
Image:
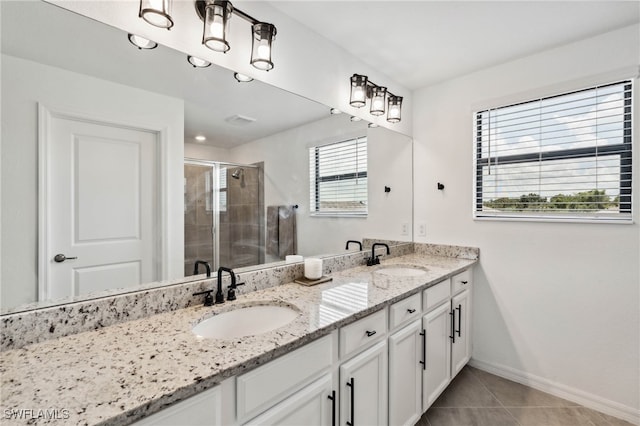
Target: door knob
[61, 258]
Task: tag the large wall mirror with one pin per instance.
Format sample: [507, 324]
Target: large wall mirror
[105, 188]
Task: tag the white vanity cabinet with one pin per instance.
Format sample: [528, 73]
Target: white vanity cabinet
[314, 405]
[461, 287]
[405, 377]
[363, 387]
[203, 409]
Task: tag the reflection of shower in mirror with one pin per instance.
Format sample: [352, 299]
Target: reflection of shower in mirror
[238, 173]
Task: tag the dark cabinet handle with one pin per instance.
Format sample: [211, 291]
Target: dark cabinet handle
[351, 384]
[370, 333]
[332, 397]
[459, 309]
[453, 327]
[464, 282]
[423, 333]
[411, 310]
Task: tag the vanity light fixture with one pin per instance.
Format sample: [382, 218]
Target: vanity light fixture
[216, 16]
[156, 13]
[241, 78]
[197, 62]
[141, 42]
[362, 89]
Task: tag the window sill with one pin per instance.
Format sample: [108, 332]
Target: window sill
[340, 214]
[609, 221]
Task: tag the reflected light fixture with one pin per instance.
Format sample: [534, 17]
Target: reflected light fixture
[141, 42]
[241, 78]
[362, 89]
[216, 16]
[200, 138]
[372, 125]
[335, 111]
[354, 118]
[156, 13]
[197, 62]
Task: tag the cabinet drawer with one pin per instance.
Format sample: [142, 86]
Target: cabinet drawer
[265, 386]
[461, 281]
[361, 333]
[436, 294]
[404, 311]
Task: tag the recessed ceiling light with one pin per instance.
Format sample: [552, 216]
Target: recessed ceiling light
[200, 138]
[354, 118]
[242, 78]
[141, 42]
[197, 62]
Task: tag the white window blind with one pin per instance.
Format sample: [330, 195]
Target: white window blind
[338, 177]
[565, 157]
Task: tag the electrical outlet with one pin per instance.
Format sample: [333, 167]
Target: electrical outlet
[422, 229]
[404, 230]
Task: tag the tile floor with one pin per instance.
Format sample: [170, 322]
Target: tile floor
[477, 398]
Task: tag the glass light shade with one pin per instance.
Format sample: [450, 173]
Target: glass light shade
[141, 42]
[216, 25]
[241, 78]
[358, 97]
[156, 12]
[378, 95]
[394, 113]
[263, 36]
[197, 62]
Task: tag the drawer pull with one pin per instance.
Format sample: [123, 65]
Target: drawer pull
[370, 333]
[411, 310]
[464, 282]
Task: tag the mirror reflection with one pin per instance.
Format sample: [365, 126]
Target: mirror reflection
[133, 164]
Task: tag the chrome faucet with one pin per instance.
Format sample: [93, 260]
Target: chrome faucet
[202, 262]
[375, 260]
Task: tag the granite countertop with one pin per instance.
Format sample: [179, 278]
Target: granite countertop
[121, 373]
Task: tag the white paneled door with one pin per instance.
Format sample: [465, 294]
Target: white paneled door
[99, 218]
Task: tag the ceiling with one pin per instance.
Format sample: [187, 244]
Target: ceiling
[419, 43]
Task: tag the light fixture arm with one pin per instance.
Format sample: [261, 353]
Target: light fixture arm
[201, 6]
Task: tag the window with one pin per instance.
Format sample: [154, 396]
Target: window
[338, 176]
[561, 157]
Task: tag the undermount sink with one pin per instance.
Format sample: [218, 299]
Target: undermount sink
[245, 321]
[402, 271]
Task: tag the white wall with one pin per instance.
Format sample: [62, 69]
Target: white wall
[24, 85]
[287, 181]
[205, 152]
[556, 304]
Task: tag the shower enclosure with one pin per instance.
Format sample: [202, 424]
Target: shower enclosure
[223, 214]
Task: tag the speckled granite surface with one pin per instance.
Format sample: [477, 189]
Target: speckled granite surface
[117, 374]
[23, 328]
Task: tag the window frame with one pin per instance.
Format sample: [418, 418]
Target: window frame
[623, 149]
[314, 198]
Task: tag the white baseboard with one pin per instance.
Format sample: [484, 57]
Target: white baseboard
[561, 391]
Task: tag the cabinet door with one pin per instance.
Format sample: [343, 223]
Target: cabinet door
[461, 347]
[363, 388]
[314, 405]
[199, 410]
[437, 368]
[405, 380]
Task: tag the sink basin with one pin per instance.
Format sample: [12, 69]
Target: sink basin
[402, 271]
[246, 321]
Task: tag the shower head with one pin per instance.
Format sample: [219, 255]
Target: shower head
[238, 173]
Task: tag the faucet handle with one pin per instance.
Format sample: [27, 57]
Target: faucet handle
[208, 299]
[231, 295]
